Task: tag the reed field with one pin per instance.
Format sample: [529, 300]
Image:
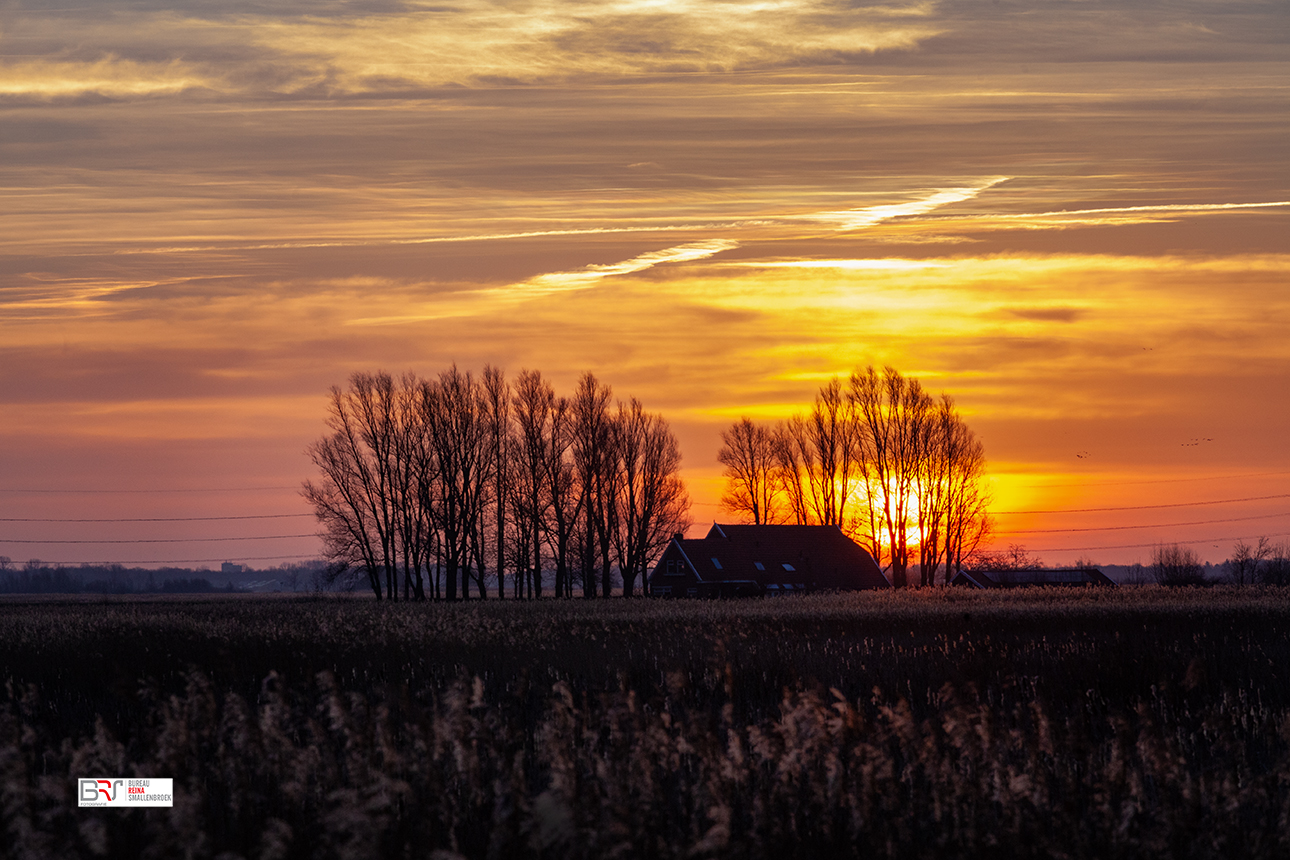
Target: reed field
[1107, 723]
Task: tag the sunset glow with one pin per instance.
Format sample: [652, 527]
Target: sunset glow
[1073, 218]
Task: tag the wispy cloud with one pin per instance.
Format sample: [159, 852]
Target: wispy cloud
[588, 275]
[472, 303]
[418, 45]
[856, 219]
[846, 220]
[1110, 214]
[553, 40]
[889, 264]
[109, 76]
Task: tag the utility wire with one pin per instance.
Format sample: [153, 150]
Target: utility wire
[153, 519]
[166, 540]
[1157, 543]
[181, 490]
[1149, 507]
[1152, 526]
[178, 560]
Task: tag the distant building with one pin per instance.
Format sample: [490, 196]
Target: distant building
[1032, 576]
[228, 568]
[749, 561]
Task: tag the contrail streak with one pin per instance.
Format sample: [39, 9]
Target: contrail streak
[842, 220]
[587, 275]
[1111, 210]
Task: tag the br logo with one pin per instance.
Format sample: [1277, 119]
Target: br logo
[91, 788]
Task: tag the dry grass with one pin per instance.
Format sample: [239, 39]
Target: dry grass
[1116, 723]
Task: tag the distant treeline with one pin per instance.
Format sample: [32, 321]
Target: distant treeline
[93, 581]
[37, 578]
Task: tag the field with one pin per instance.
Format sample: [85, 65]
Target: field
[1132, 722]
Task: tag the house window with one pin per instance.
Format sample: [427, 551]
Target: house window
[759, 565]
[716, 563]
[788, 566]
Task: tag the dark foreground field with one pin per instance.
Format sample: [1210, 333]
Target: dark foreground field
[1125, 723]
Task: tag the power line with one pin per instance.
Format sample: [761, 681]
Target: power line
[152, 519]
[1152, 526]
[1157, 543]
[1149, 507]
[180, 560]
[165, 540]
[181, 490]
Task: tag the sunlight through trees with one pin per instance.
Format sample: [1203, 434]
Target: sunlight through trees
[877, 456]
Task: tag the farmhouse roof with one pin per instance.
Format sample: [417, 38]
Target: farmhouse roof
[810, 557]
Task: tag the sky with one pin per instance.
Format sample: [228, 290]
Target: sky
[1071, 216]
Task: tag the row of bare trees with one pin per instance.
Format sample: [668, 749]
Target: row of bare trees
[1263, 563]
[430, 486]
[877, 456]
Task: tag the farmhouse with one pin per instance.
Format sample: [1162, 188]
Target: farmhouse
[1032, 576]
[744, 560]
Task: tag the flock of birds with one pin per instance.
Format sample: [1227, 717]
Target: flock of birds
[1190, 443]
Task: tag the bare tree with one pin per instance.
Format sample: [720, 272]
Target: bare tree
[1015, 557]
[424, 476]
[881, 460]
[793, 465]
[593, 460]
[1175, 564]
[498, 398]
[952, 498]
[753, 488]
[413, 475]
[534, 405]
[652, 501]
[354, 501]
[1276, 567]
[818, 456]
[931, 484]
[565, 499]
[1245, 565]
[456, 424]
[893, 410]
[968, 524]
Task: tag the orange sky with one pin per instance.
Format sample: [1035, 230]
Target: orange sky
[1073, 217]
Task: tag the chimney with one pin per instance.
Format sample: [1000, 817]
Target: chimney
[679, 536]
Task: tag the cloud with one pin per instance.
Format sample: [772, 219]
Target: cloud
[856, 219]
[1065, 315]
[847, 220]
[1113, 214]
[111, 77]
[588, 275]
[473, 302]
[552, 40]
[887, 264]
[396, 47]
